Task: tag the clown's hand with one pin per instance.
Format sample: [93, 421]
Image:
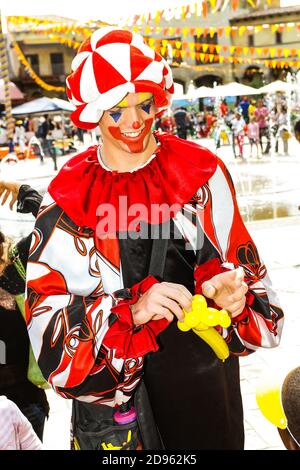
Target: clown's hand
[228, 290]
[162, 300]
[9, 189]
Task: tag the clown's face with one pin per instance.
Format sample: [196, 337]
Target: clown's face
[127, 126]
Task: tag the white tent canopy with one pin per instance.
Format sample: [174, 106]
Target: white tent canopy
[278, 85]
[234, 89]
[43, 106]
[204, 92]
[230, 89]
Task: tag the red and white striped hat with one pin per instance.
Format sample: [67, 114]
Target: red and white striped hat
[110, 64]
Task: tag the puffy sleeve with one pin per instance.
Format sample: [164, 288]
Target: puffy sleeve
[226, 244]
[80, 327]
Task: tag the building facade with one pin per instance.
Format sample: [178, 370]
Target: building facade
[272, 42]
[250, 46]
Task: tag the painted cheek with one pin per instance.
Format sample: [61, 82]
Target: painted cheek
[115, 132]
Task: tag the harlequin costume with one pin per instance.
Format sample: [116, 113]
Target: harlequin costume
[78, 311]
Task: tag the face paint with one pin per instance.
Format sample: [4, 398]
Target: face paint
[146, 107]
[136, 125]
[116, 115]
[135, 144]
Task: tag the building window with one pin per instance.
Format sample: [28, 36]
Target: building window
[33, 60]
[278, 37]
[251, 40]
[57, 64]
[204, 44]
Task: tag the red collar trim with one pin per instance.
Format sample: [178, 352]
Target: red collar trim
[179, 169]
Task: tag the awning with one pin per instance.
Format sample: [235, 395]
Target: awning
[14, 92]
[43, 106]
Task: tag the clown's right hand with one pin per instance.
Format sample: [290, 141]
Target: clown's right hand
[162, 300]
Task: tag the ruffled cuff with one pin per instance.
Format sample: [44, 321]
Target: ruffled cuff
[129, 340]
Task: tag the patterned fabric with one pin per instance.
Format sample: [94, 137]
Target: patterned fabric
[16, 432]
[72, 280]
[110, 64]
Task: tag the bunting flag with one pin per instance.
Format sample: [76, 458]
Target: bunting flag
[200, 8]
[84, 31]
[160, 45]
[70, 27]
[31, 72]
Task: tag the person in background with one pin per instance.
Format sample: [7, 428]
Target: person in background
[252, 108]
[181, 119]
[238, 130]
[223, 108]
[244, 107]
[297, 130]
[253, 135]
[262, 116]
[16, 432]
[14, 382]
[290, 397]
[167, 123]
[279, 402]
[3, 136]
[19, 137]
[282, 131]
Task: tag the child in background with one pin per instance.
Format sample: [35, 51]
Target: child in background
[16, 432]
[253, 135]
[238, 129]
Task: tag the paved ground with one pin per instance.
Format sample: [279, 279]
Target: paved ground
[267, 188]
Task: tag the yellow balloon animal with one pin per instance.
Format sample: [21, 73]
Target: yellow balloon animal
[202, 319]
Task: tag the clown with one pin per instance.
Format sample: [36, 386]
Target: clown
[97, 320]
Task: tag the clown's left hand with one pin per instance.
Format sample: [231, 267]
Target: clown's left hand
[9, 189]
[228, 290]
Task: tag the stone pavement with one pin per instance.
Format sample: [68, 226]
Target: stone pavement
[278, 243]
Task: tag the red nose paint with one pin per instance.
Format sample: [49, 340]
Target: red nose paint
[136, 125]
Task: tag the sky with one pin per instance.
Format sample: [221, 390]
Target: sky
[106, 10]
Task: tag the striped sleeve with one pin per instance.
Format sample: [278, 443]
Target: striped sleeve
[228, 243]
